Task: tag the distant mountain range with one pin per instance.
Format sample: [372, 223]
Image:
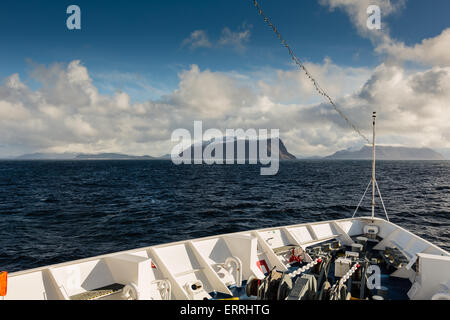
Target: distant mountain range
[365, 153]
[111, 156]
[387, 153]
[47, 156]
[81, 156]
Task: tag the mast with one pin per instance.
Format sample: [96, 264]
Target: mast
[373, 165]
[373, 181]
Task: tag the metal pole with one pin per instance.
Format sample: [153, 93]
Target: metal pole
[373, 165]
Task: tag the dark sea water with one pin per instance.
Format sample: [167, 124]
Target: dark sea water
[57, 211]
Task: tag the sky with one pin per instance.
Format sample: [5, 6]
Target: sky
[137, 70]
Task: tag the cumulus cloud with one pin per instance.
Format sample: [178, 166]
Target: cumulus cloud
[208, 94]
[413, 105]
[68, 114]
[357, 11]
[292, 85]
[432, 51]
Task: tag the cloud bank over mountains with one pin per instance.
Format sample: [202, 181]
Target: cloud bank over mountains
[67, 112]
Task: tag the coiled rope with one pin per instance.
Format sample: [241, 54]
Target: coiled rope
[300, 64]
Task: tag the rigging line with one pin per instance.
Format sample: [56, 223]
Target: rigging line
[382, 202]
[308, 74]
[362, 198]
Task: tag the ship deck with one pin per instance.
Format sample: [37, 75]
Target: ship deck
[357, 258]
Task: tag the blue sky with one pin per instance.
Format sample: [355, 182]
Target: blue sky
[144, 37]
[137, 70]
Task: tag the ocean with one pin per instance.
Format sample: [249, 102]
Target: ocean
[57, 211]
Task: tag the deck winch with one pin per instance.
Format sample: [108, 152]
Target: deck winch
[334, 271]
[276, 286]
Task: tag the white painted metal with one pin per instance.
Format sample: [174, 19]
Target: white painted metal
[373, 180]
[202, 261]
[373, 165]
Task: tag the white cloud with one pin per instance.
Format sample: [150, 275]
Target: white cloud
[209, 94]
[293, 85]
[197, 39]
[357, 11]
[433, 51]
[414, 105]
[68, 114]
[234, 39]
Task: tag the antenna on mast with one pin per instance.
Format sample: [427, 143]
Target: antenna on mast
[374, 116]
[373, 180]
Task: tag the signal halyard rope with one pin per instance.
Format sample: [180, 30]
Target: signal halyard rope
[308, 74]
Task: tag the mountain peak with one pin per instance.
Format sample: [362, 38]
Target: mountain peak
[233, 142]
